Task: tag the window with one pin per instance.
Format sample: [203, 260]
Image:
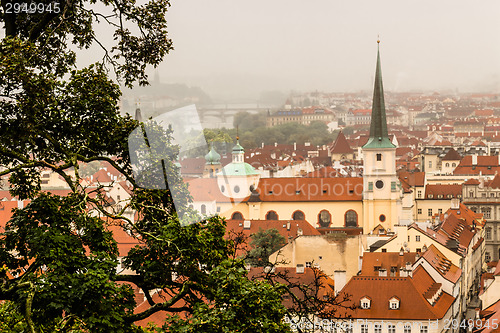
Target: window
[271, 215]
[488, 233]
[419, 211]
[378, 328]
[365, 303]
[440, 210]
[487, 212]
[447, 165]
[379, 157]
[419, 194]
[492, 195]
[237, 216]
[417, 238]
[236, 189]
[393, 186]
[351, 219]
[324, 219]
[382, 218]
[429, 212]
[203, 209]
[394, 302]
[430, 164]
[222, 188]
[364, 328]
[379, 184]
[430, 196]
[298, 215]
[487, 257]
[471, 194]
[218, 209]
[453, 164]
[391, 328]
[370, 186]
[407, 328]
[424, 329]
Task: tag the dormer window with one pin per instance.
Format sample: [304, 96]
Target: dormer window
[430, 196]
[394, 303]
[379, 157]
[365, 303]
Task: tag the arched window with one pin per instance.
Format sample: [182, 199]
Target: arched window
[453, 164]
[271, 215]
[298, 215]
[351, 218]
[203, 209]
[447, 164]
[324, 219]
[237, 216]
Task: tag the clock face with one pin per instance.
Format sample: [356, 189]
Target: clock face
[379, 184]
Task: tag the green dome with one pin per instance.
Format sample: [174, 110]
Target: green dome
[212, 157]
[238, 148]
[238, 169]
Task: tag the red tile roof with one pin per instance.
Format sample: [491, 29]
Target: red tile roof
[310, 189]
[410, 291]
[486, 165]
[444, 266]
[413, 178]
[341, 146]
[373, 261]
[452, 155]
[442, 191]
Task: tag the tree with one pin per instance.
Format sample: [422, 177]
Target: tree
[58, 253]
[264, 243]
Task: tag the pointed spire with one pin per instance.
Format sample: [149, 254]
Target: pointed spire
[378, 127]
[138, 114]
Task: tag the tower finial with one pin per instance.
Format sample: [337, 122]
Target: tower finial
[237, 135]
[378, 39]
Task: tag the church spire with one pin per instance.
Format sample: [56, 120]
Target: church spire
[378, 127]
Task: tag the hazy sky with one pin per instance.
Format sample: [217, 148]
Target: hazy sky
[233, 47]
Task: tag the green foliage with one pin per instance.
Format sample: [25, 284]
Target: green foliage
[247, 121]
[237, 305]
[58, 255]
[264, 243]
[253, 134]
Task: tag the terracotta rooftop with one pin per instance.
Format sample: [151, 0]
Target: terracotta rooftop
[410, 291]
[452, 155]
[373, 261]
[341, 146]
[310, 189]
[443, 191]
[444, 266]
[413, 178]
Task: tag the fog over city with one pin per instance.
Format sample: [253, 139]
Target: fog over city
[240, 48]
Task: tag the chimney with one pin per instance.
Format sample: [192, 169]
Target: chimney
[382, 272]
[247, 224]
[294, 146]
[474, 159]
[276, 144]
[300, 232]
[288, 225]
[340, 279]
[262, 145]
[401, 251]
[300, 269]
[477, 313]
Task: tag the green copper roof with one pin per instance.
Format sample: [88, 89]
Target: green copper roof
[238, 169]
[212, 157]
[238, 148]
[378, 127]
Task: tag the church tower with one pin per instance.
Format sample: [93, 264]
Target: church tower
[381, 189]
